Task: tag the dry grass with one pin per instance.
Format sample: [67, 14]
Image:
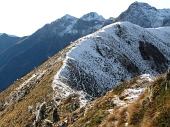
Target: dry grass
[141, 113]
[16, 114]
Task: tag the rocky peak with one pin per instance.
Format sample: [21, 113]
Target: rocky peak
[92, 16]
[67, 17]
[142, 6]
[63, 24]
[4, 35]
[145, 15]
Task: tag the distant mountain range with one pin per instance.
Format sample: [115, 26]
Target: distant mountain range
[24, 55]
[8, 35]
[31, 51]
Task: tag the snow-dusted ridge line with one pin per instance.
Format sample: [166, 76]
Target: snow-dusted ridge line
[99, 61]
[62, 90]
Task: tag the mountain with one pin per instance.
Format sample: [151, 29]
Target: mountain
[117, 52]
[61, 91]
[30, 52]
[145, 15]
[8, 35]
[6, 41]
[92, 16]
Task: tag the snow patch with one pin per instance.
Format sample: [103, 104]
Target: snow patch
[62, 90]
[110, 111]
[133, 94]
[118, 102]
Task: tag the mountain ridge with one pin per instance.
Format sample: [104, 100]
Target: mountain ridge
[112, 54]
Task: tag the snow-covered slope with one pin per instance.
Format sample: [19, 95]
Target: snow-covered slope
[145, 15]
[64, 24]
[120, 51]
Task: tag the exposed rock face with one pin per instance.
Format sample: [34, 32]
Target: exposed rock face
[150, 52]
[40, 113]
[145, 15]
[55, 116]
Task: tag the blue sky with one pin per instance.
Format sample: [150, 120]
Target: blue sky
[24, 17]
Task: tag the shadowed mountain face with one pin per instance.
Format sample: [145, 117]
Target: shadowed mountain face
[145, 15]
[30, 52]
[6, 41]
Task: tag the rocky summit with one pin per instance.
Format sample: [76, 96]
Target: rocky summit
[145, 15]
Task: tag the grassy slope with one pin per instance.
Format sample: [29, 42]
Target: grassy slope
[16, 114]
[141, 113]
